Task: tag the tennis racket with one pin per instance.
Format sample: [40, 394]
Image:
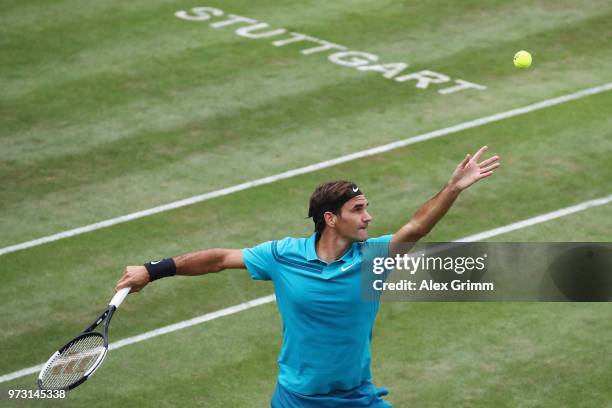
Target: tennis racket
[78, 359]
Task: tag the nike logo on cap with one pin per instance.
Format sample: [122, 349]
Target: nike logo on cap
[355, 189]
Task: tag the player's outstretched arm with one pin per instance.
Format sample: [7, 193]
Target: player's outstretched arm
[468, 172]
[193, 263]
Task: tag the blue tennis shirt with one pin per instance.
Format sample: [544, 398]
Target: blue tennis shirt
[327, 327]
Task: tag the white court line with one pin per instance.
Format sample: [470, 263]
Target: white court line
[539, 219]
[271, 298]
[309, 169]
[158, 332]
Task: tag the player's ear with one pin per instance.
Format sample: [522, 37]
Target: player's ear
[330, 219]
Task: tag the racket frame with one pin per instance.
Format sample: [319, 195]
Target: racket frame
[89, 331]
[105, 317]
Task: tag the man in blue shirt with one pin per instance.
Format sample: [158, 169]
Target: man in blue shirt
[327, 325]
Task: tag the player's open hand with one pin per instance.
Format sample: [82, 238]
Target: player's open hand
[470, 170]
[135, 277]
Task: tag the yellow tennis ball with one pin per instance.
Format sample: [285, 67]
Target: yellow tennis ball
[522, 59]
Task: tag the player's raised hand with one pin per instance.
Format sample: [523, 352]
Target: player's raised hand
[135, 277]
[470, 170]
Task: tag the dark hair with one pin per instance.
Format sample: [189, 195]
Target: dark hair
[330, 197]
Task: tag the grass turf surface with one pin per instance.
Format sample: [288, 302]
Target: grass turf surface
[101, 119]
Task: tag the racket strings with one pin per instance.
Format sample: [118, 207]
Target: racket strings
[71, 364]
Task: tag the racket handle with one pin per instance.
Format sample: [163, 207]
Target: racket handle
[119, 297]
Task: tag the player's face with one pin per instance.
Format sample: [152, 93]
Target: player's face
[354, 218]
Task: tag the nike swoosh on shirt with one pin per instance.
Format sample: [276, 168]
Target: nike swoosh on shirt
[346, 267]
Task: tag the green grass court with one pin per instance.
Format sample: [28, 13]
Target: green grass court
[113, 107]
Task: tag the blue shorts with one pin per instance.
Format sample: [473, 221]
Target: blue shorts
[365, 395]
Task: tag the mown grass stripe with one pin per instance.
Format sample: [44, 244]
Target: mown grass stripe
[310, 168]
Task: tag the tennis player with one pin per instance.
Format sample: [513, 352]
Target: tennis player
[327, 328]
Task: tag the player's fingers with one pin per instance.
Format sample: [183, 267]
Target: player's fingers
[128, 284]
[120, 285]
[489, 168]
[489, 161]
[480, 152]
[126, 281]
[121, 282]
[464, 161]
[483, 175]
